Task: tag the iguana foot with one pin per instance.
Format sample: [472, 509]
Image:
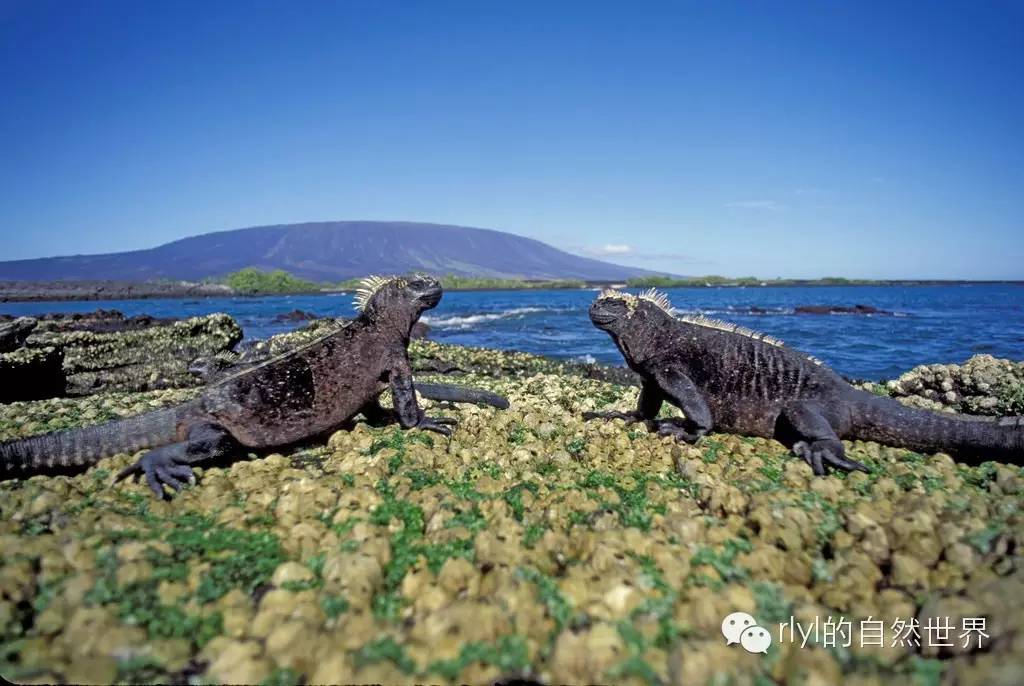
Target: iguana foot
[438, 425]
[628, 417]
[826, 452]
[167, 465]
[673, 428]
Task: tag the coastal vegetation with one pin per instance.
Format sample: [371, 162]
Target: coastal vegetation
[252, 281]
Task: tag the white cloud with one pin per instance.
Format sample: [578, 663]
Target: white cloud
[769, 205]
[609, 249]
[613, 250]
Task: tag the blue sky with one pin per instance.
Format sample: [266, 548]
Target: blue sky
[864, 139]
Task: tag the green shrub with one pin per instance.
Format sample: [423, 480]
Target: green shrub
[250, 281]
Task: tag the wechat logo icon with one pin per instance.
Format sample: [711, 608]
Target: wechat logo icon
[739, 627]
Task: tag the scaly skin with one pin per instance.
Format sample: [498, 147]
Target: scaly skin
[740, 382]
[286, 400]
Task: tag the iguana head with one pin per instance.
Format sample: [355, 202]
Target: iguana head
[614, 310]
[399, 299]
[631, 320]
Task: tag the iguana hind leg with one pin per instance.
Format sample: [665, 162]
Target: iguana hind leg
[805, 429]
[171, 465]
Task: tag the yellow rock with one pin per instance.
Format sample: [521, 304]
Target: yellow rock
[336, 668]
[292, 572]
[908, 572]
[459, 577]
[239, 662]
[132, 572]
[585, 657]
[91, 670]
[172, 653]
[170, 592]
[712, 662]
[293, 644]
[237, 621]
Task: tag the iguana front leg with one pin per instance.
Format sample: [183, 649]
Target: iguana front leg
[647, 406]
[804, 427]
[171, 465]
[680, 390]
[408, 411]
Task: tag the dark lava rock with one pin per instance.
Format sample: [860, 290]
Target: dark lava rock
[13, 291]
[100, 321]
[149, 358]
[296, 316]
[31, 374]
[14, 332]
[840, 309]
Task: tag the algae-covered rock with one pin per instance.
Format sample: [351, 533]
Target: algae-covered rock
[982, 385]
[141, 359]
[13, 333]
[530, 545]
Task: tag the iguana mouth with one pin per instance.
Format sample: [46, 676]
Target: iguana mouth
[601, 318]
[432, 298]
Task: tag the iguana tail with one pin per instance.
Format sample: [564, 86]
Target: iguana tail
[968, 438]
[460, 394]
[75, 448]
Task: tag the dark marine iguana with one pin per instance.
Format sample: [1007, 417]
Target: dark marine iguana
[731, 379]
[302, 394]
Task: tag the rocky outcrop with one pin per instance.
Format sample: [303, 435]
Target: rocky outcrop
[532, 545]
[99, 321]
[145, 359]
[842, 309]
[14, 291]
[295, 316]
[13, 333]
[59, 358]
[31, 374]
[983, 385]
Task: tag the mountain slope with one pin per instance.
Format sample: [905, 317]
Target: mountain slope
[331, 251]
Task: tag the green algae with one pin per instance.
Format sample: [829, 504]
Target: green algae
[626, 531]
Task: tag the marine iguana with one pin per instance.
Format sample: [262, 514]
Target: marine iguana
[729, 378]
[302, 394]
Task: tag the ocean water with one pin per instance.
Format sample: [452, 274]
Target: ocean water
[929, 324]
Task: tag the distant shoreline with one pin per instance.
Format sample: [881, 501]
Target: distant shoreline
[71, 291]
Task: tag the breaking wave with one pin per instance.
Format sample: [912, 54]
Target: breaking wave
[467, 321]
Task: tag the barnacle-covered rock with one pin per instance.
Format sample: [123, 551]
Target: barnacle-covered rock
[982, 385]
[530, 545]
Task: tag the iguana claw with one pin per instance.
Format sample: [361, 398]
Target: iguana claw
[161, 467]
[438, 425]
[826, 452]
[670, 427]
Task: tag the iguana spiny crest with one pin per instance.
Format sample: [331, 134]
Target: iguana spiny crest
[370, 285]
[386, 293]
[653, 296]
